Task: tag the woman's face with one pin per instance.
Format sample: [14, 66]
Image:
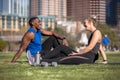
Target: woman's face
[87, 24]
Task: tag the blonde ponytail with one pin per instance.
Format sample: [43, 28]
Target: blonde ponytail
[93, 20]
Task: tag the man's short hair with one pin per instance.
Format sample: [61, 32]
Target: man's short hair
[31, 19]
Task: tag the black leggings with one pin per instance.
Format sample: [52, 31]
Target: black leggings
[60, 55]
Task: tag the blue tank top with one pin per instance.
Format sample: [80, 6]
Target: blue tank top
[36, 44]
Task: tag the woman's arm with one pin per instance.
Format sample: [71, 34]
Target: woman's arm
[96, 37]
[103, 54]
[93, 42]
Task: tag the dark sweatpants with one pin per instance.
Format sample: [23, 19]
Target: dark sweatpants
[48, 44]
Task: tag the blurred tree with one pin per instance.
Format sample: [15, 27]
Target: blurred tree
[3, 44]
[23, 30]
[105, 29]
[72, 41]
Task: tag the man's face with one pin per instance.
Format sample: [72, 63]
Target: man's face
[37, 24]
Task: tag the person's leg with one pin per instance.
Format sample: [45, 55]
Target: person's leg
[96, 57]
[74, 60]
[60, 51]
[69, 60]
[105, 47]
[78, 59]
[48, 44]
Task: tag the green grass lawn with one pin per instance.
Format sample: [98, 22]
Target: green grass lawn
[23, 71]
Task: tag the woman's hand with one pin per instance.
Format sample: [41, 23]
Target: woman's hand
[104, 62]
[73, 53]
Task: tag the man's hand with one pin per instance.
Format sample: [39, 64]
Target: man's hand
[65, 42]
[7, 62]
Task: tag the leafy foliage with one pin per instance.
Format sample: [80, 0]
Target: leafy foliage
[72, 41]
[105, 29]
[3, 44]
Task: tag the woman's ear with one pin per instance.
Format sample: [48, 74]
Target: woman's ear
[90, 22]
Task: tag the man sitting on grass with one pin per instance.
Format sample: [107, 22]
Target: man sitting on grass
[32, 41]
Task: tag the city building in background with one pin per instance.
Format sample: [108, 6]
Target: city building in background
[49, 11]
[65, 10]
[98, 8]
[118, 17]
[105, 10]
[48, 21]
[13, 17]
[112, 12]
[81, 9]
[55, 8]
[13, 14]
[78, 9]
[34, 8]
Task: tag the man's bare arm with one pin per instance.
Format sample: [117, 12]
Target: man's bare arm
[25, 42]
[50, 33]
